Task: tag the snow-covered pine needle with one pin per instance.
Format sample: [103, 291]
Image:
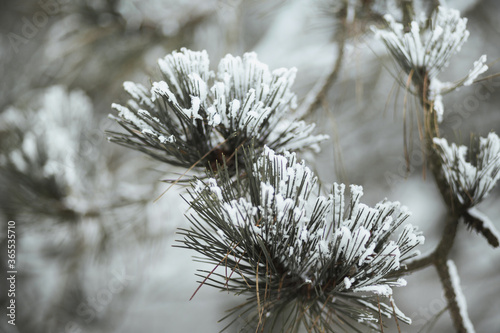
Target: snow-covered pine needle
[426, 49]
[472, 179]
[185, 116]
[329, 256]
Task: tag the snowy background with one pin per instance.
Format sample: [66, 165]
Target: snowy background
[95, 252]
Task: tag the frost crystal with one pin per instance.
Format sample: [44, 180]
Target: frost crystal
[426, 49]
[308, 248]
[471, 183]
[207, 116]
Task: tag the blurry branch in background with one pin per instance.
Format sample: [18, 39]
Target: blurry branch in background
[59, 185]
[346, 22]
[122, 32]
[320, 90]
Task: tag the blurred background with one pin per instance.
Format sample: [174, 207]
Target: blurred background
[94, 252]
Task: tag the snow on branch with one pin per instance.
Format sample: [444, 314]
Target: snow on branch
[460, 298]
[195, 116]
[483, 225]
[471, 179]
[290, 245]
[426, 49]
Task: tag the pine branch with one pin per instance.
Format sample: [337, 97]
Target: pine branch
[423, 49]
[281, 244]
[321, 88]
[456, 302]
[197, 118]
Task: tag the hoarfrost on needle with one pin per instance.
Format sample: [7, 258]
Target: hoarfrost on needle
[200, 111]
[471, 183]
[332, 243]
[426, 49]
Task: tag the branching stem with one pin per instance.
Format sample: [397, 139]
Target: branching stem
[442, 250]
[439, 256]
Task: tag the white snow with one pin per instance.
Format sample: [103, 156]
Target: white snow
[266, 195]
[163, 139]
[198, 86]
[479, 68]
[383, 290]
[198, 186]
[468, 181]
[304, 235]
[287, 191]
[487, 223]
[160, 89]
[16, 157]
[214, 188]
[29, 145]
[348, 282]
[243, 96]
[240, 213]
[193, 112]
[460, 298]
[147, 131]
[132, 118]
[138, 92]
[436, 91]
[61, 120]
[430, 47]
[339, 202]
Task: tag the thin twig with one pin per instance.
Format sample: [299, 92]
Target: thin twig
[486, 78]
[192, 167]
[405, 135]
[213, 270]
[380, 316]
[320, 89]
[395, 316]
[260, 309]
